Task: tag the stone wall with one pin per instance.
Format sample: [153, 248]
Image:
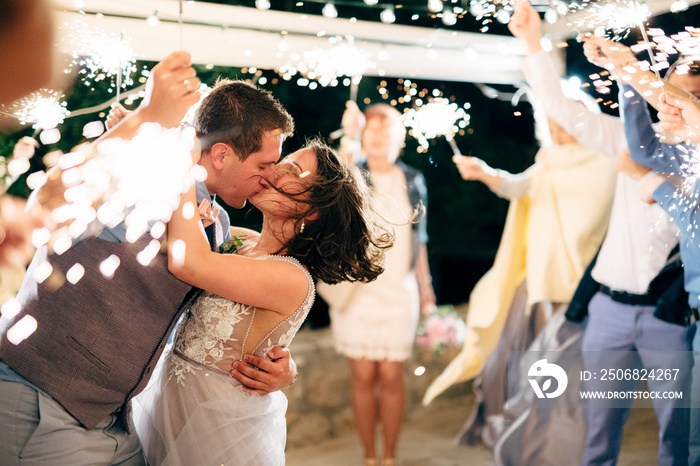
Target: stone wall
[319, 401]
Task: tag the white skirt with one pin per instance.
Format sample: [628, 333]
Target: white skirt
[192, 414]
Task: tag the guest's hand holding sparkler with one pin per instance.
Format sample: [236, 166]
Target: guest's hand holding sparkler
[25, 148]
[116, 114]
[475, 169]
[171, 90]
[525, 24]
[621, 62]
[612, 56]
[681, 116]
[353, 123]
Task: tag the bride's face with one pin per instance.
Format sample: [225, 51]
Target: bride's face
[292, 176]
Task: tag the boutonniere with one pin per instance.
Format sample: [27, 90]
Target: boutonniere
[231, 246]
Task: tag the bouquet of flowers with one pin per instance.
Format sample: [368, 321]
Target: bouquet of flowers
[441, 329]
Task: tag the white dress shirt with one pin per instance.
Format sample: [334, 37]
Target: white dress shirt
[640, 235]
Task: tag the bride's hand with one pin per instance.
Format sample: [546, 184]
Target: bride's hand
[266, 376]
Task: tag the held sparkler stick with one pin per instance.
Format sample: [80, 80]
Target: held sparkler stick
[179, 21]
[453, 145]
[119, 71]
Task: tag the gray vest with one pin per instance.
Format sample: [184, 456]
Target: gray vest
[97, 341]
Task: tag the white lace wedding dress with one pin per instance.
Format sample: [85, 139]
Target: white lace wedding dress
[192, 413]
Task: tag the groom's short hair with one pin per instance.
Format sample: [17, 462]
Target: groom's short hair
[238, 113]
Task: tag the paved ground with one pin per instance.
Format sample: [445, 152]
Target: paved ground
[427, 440]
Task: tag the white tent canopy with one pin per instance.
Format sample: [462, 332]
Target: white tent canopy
[239, 36]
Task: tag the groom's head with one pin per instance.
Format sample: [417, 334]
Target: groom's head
[241, 129]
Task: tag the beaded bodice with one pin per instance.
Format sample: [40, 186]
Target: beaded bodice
[216, 329]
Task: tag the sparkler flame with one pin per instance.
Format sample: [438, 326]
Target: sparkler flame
[326, 66]
[43, 109]
[439, 117]
[121, 180]
[101, 55]
[617, 16]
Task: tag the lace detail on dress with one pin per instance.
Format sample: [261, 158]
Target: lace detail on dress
[216, 329]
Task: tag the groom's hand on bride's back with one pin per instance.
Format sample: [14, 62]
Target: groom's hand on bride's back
[262, 376]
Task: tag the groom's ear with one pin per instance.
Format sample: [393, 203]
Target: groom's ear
[218, 154]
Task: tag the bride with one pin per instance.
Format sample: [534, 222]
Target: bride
[317, 224]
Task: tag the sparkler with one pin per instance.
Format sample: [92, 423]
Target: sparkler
[618, 16]
[326, 66]
[179, 21]
[343, 59]
[43, 109]
[120, 180]
[101, 55]
[440, 117]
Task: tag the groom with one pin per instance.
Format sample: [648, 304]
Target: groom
[66, 389]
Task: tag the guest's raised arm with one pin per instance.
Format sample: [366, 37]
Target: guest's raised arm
[681, 116]
[623, 64]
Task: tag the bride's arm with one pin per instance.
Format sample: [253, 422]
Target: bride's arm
[275, 285]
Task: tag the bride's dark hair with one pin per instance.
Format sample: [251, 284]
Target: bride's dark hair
[345, 242]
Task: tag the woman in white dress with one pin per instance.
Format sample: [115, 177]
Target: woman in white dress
[317, 223]
[375, 326]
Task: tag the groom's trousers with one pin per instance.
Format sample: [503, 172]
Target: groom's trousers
[36, 430]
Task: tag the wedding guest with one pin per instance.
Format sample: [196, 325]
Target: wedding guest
[556, 221]
[677, 195]
[680, 115]
[647, 334]
[374, 324]
[631, 256]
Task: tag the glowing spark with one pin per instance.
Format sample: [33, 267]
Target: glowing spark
[158, 230]
[16, 167]
[188, 210]
[21, 330]
[42, 272]
[101, 55]
[43, 109]
[75, 273]
[178, 252]
[50, 136]
[326, 66]
[40, 237]
[149, 252]
[10, 308]
[437, 118]
[109, 266]
[62, 244]
[120, 179]
[486, 10]
[420, 370]
[93, 129]
[617, 16]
